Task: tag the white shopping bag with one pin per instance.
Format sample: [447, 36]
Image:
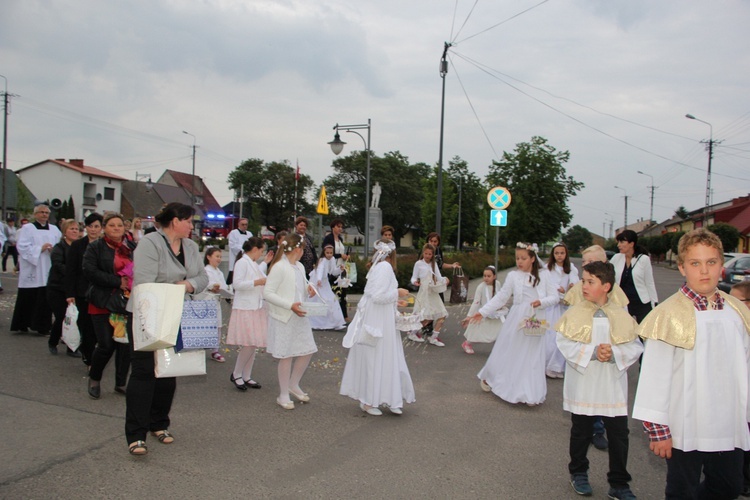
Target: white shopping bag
[70, 334]
[168, 363]
[157, 312]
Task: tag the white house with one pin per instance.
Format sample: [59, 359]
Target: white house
[92, 189]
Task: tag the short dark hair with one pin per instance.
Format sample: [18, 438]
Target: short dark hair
[93, 217]
[743, 287]
[301, 219]
[172, 210]
[433, 235]
[602, 270]
[209, 252]
[335, 222]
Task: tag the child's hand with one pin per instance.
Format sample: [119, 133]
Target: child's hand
[475, 319]
[661, 449]
[536, 303]
[561, 289]
[402, 303]
[311, 291]
[403, 292]
[465, 322]
[296, 309]
[604, 352]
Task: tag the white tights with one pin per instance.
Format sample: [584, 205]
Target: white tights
[244, 365]
[290, 375]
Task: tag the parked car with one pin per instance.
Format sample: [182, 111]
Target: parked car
[735, 270]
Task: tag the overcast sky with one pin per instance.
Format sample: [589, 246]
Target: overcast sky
[116, 83]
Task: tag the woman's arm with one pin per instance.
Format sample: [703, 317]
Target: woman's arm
[646, 274]
[274, 283]
[94, 262]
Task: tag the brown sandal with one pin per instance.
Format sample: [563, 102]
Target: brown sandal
[164, 436]
[138, 448]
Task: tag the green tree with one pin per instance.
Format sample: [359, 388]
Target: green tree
[401, 195]
[536, 178]
[269, 190]
[728, 234]
[577, 238]
[682, 212]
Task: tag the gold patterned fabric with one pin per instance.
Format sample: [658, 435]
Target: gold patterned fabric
[575, 295]
[577, 322]
[673, 321]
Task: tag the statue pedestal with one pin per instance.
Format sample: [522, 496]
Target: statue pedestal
[373, 227]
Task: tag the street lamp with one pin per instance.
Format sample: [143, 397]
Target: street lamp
[149, 185]
[337, 146]
[708, 174]
[626, 206]
[652, 187]
[192, 180]
[458, 236]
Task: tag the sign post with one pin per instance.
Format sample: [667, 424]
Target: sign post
[498, 199]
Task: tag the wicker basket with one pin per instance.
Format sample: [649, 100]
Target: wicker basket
[314, 308]
[407, 322]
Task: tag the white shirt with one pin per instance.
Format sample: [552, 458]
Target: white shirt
[701, 394]
[236, 240]
[247, 296]
[216, 276]
[35, 264]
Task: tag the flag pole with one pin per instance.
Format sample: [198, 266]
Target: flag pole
[296, 180]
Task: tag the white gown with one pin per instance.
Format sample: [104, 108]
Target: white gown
[592, 387]
[376, 372]
[35, 264]
[334, 320]
[485, 331]
[558, 278]
[515, 367]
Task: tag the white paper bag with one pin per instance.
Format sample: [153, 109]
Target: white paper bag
[157, 312]
[70, 334]
[168, 363]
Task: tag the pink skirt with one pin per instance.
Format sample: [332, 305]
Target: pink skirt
[248, 328]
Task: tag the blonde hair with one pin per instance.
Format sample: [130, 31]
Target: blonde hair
[65, 225]
[699, 236]
[287, 245]
[598, 250]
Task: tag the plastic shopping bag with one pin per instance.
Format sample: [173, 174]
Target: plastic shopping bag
[70, 334]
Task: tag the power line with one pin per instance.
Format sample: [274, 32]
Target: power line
[501, 22]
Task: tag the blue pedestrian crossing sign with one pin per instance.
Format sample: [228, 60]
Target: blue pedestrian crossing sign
[498, 198]
[498, 218]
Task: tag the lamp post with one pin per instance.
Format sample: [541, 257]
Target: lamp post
[439, 201]
[337, 145]
[651, 187]
[192, 180]
[708, 174]
[5, 144]
[626, 206]
[458, 235]
[149, 185]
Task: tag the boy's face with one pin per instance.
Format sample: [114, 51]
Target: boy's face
[736, 293]
[701, 268]
[594, 290]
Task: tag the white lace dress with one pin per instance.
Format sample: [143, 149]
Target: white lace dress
[376, 372]
[293, 338]
[334, 320]
[558, 278]
[428, 302]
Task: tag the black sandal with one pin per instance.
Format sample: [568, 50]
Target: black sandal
[164, 436]
[138, 448]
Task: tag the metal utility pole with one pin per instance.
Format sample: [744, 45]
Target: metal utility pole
[710, 147]
[626, 206]
[652, 188]
[192, 180]
[5, 147]
[439, 202]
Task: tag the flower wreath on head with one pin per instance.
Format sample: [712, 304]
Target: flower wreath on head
[287, 248]
[382, 250]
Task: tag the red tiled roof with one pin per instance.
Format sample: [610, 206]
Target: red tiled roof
[78, 166]
[184, 180]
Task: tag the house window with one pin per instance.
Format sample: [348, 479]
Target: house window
[109, 193]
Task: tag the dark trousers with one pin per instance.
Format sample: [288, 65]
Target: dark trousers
[32, 311]
[59, 304]
[639, 310]
[105, 347]
[86, 328]
[722, 471]
[10, 250]
[148, 399]
[581, 432]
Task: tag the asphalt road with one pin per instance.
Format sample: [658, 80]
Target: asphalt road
[454, 442]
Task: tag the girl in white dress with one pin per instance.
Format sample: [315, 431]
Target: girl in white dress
[486, 330]
[563, 275]
[248, 324]
[515, 369]
[216, 282]
[376, 373]
[326, 266]
[290, 337]
[427, 277]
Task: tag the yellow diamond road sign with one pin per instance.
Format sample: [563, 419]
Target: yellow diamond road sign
[498, 198]
[323, 202]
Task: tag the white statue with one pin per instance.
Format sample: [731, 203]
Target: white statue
[376, 190]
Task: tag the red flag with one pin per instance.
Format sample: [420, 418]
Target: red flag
[296, 178]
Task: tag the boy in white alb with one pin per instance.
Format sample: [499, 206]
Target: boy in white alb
[598, 339]
[693, 389]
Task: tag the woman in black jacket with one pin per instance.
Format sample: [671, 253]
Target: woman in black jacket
[76, 284]
[56, 283]
[108, 265]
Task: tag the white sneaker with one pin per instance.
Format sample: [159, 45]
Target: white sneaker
[414, 337]
[370, 410]
[436, 341]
